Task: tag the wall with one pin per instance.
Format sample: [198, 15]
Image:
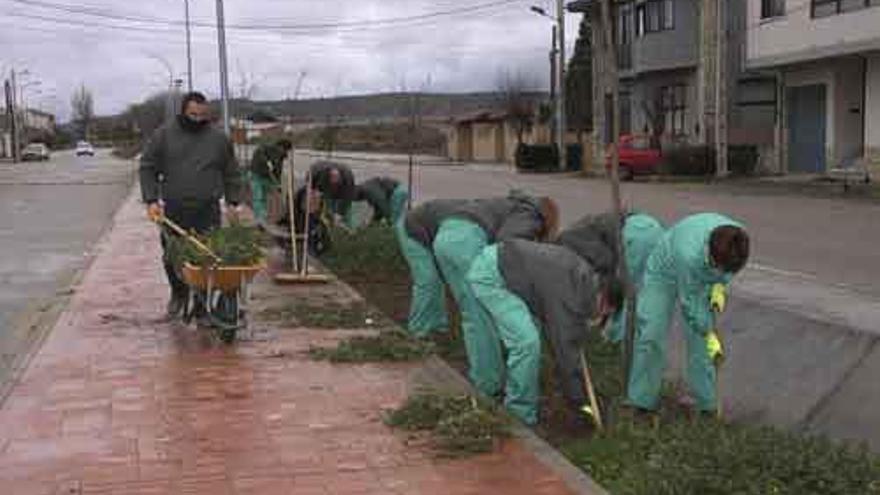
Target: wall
[484, 147]
[797, 37]
[670, 49]
[848, 109]
[872, 115]
[643, 91]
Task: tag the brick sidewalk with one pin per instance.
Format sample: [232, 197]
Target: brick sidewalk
[117, 401]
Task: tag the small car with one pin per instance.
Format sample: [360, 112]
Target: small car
[35, 151]
[637, 156]
[83, 148]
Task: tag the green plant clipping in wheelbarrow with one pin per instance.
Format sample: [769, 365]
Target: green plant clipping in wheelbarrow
[236, 245]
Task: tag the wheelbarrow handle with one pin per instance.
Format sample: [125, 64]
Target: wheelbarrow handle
[177, 229]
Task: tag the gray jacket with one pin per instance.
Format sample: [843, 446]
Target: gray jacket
[513, 217]
[560, 289]
[594, 238]
[181, 165]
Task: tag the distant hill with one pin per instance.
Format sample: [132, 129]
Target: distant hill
[387, 106]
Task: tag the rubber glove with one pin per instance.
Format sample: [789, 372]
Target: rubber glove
[714, 347]
[155, 212]
[718, 298]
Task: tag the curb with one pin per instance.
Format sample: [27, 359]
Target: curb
[435, 373]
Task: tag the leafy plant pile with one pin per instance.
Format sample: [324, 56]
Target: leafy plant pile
[236, 245]
[459, 425]
[682, 456]
[387, 346]
[327, 315]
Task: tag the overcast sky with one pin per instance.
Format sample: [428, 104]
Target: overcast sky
[120, 48]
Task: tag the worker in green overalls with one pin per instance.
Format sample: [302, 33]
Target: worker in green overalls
[266, 166]
[692, 265]
[641, 233]
[456, 232]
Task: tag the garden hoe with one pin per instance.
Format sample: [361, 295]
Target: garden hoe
[594, 410]
[300, 272]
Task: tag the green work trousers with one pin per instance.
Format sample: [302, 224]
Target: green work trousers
[516, 328]
[457, 243]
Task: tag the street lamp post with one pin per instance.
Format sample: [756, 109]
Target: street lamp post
[224, 75]
[189, 64]
[559, 75]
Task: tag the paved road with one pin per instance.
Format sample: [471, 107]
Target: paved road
[804, 325]
[52, 213]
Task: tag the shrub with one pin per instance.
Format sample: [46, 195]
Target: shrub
[689, 160]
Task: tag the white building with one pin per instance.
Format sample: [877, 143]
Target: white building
[826, 56]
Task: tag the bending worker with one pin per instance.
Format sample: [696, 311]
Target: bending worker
[386, 196]
[641, 233]
[337, 186]
[692, 265]
[524, 286]
[456, 231]
[266, 167]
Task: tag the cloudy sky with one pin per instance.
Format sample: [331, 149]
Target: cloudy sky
[123, 49]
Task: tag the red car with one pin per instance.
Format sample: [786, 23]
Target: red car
[637, 157]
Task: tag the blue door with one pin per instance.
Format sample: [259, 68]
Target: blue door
[806, 128]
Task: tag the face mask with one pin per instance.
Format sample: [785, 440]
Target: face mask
[191, 124]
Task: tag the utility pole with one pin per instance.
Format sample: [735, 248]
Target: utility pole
[721, 117]
[553, 83]
[224, 74]
[16, 151]
[560, 103]
[10, 115]
[189, 63]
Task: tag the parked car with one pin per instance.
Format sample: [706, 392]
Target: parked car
[637, 156]
[83, 148]
[35, 151]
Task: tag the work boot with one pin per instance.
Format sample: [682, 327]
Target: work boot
[175, 306]
[638, 416]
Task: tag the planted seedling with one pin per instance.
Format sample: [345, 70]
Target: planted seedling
[387, 346]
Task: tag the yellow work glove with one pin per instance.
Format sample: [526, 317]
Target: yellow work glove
[718, 298]
[714, 347]
[155, 212]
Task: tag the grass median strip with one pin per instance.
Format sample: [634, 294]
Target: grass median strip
[387, 346]
[682, 456]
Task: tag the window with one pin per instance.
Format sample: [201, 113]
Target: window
[825, 8]
[655, 15]
[673, 105]
[772, 8]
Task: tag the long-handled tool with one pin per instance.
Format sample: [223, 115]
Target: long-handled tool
[299, 272]
[177, 229]
[717, 362]
[595, 412]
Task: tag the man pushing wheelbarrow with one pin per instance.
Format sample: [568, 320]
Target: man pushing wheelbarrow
[185, 170]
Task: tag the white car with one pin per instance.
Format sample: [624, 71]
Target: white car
[35, 151]
[83, 148]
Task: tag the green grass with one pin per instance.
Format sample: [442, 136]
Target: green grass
[459, 425]
[387, 346]
[323, 316]
[682, 456]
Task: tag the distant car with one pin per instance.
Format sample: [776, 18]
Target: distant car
[35, 151]
[637, 156]
[84, 149]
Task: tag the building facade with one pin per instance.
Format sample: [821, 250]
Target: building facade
[826, 57]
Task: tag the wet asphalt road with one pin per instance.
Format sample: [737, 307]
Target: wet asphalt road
[52, 213]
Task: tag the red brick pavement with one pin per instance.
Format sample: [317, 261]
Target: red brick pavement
[118, 402]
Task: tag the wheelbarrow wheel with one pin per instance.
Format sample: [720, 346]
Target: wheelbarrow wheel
[226, 318]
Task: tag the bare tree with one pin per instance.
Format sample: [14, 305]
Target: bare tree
[520, 108]
[83, 106]
[149, 114]
[653, 111]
